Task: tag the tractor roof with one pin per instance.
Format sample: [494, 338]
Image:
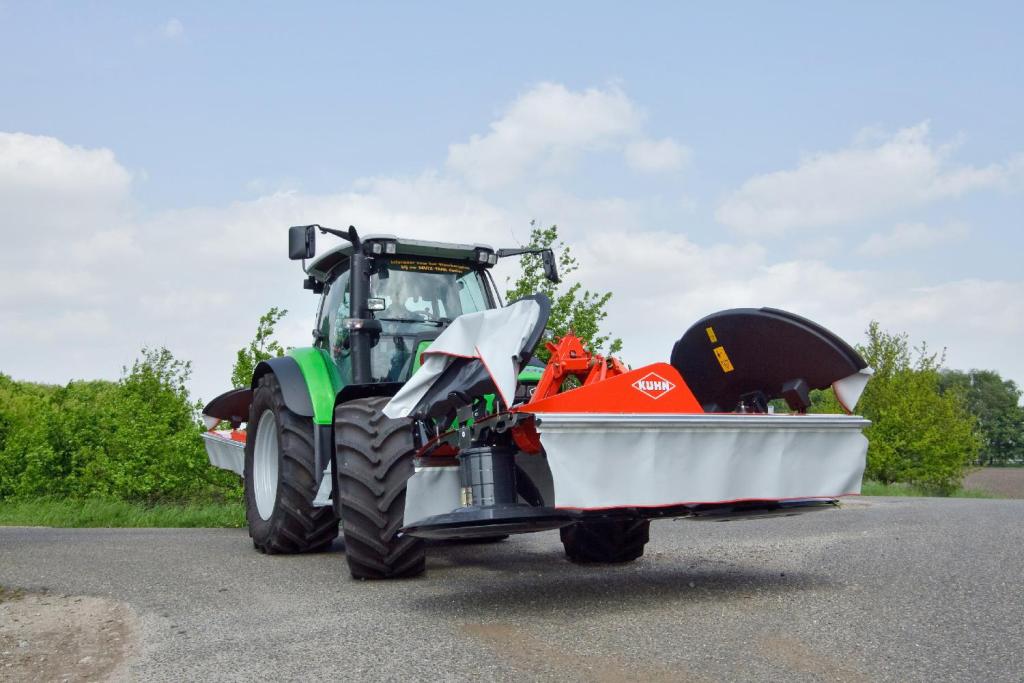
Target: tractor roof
[323, 264]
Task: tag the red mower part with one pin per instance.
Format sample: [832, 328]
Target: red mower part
[569, 358]
[526, 437]
[656, 388]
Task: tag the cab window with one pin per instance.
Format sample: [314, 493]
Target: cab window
[333, 335]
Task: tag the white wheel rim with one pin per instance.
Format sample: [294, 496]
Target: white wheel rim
[264, 465]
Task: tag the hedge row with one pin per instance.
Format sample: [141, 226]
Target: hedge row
[137, 439]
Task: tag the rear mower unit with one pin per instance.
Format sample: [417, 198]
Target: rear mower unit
[420, 413]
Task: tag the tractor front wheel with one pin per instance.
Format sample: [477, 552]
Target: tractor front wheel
[374, 458]
[605, 541]
[280, 481]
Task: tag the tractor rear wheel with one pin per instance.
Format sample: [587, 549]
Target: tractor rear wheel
[605, 541]
[374, 455]
[280, 478]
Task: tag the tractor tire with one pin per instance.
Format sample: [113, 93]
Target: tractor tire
[280, 478]
[374, 455]
[605, 541]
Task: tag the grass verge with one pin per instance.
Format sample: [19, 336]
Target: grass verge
[874, 488]
[9, 594]
[113, 513]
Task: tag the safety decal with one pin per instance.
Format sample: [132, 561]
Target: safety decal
[428, 266]
[723, 359]
[711, 334]
[654, 385]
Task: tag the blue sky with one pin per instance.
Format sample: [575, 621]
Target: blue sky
[849, 161]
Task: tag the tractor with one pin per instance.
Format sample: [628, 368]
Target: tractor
[419, 412]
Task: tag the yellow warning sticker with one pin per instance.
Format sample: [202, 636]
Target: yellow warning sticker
[723, 359]
[711, 334]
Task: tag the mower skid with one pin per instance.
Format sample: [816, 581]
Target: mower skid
[226, 450]
[700, 463]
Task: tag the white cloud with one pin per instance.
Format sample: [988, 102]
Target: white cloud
[172, 29]
[85, 282]
[862, 181]
[47, 185]
[81, 289]
[547, 127]
[663, 283]
[977, 322]
[656, 156]
[543, 126]
[64, 218]
[966, 310]
[912, 237]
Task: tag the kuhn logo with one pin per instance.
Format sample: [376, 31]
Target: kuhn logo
[653, 385]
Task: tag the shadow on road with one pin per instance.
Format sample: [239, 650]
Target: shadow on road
[535, 583]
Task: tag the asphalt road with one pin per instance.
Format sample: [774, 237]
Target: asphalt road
[884, 589]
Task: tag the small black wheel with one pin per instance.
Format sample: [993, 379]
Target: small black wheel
[606, 540]
[374, 458]
[280, 481]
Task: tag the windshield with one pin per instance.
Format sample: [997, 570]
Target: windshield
[418, 299]
[426, 291]
[414, 301]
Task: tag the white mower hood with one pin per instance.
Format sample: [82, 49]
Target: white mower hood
[495, 337]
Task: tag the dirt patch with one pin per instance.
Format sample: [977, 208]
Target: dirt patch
[798, 656]
[64, 637]
[1006, 482]
[541, 661]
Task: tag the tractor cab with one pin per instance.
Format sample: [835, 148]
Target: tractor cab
[384, 299]
[414, 289]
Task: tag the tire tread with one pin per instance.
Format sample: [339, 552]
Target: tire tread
[374, 459]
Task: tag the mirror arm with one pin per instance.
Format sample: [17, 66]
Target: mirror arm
[502, 253]
[350, 235]
[547, 255]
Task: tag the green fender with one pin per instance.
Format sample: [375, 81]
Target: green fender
[322, 381]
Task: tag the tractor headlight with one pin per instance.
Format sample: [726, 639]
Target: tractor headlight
[383, 247]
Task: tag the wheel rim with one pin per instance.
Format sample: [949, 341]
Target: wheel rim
[264, 464]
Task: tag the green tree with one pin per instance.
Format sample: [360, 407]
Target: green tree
[259, 349]
[995, 403]
[918, 433]
[572, 307]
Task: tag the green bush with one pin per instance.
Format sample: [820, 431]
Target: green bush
[919, 435]
[137, 439]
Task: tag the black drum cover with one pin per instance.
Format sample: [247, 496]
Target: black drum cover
[732, 354]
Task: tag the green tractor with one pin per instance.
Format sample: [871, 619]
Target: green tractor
[411, 419]
[317, 448]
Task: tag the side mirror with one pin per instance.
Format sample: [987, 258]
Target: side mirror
[550, 266]
[301, 242]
